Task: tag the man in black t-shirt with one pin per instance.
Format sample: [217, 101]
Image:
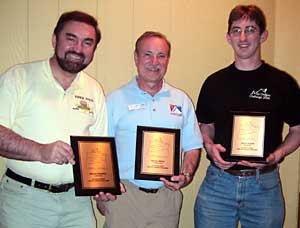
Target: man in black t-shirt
[241, 110]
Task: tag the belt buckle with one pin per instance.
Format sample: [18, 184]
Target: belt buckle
[54, 188]
[152, 190]
[149, 190]
[245, 173]
[59, 188]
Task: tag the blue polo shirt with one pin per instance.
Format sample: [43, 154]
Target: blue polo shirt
[129, 106]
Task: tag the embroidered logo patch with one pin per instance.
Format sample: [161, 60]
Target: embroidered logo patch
[176, 110]
[260, 94]
[83, 104]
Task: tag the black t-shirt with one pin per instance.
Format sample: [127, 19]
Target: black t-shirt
[264, 90]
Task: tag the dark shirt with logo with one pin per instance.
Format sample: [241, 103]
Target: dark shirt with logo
[263, 90]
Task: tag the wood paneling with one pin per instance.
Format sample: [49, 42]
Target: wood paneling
[14, 33]
[196, 29]
[42, 18]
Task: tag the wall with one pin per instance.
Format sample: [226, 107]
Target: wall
[196, 29]
[287, 57]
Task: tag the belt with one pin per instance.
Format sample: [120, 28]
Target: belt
[149, 190]
[249, 172]
[37, 184]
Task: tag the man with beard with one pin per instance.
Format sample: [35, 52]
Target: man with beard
[42, 104]
[147, 100]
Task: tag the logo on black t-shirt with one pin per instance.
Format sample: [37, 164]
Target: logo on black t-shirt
[260, 94]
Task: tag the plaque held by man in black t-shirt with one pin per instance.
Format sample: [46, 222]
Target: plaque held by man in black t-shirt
[248, 137]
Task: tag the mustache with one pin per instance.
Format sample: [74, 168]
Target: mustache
[75, 53]
[153, 67]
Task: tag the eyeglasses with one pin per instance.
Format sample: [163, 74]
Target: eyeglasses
[249, 30]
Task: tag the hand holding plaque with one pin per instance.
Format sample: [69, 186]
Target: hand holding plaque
[248, 137]
[157, 153]
[96, 168]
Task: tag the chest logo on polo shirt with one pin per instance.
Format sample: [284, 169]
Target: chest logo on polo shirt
[83, 104]
[260, 94]
[176, 110]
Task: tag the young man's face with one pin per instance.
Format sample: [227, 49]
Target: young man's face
[152, 59]
[75, 46]
[245, 39]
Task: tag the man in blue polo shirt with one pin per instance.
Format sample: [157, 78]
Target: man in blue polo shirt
[149, 101]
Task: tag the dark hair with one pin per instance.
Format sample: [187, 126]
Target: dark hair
[251, 12]
[149, 34]
[79, 17]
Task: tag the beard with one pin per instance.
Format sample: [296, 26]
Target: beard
[72, 62]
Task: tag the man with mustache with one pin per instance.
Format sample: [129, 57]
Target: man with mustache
[41, 106]
[147, 100]
[259, 98]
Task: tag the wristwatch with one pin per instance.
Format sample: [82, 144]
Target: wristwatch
[187, 174]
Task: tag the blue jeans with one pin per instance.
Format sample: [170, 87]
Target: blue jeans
[224, 199]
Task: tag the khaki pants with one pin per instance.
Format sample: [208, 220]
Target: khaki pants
[22, 206]
[137, 209]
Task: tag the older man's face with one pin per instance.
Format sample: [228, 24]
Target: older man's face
[152, 59]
